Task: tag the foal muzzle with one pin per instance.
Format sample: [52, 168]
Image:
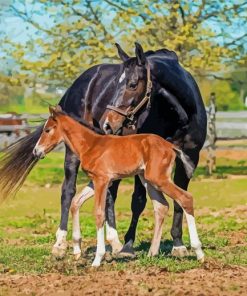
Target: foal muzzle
[38, 153]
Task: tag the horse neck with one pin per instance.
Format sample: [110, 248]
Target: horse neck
[78, 137]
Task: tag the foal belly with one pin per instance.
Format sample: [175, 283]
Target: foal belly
[124, 163]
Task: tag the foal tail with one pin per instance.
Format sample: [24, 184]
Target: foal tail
[16, 162]
[187, 162]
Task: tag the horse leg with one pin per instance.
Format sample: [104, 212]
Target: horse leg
[161, 208]
[111, 232]
[77, 202]
[181, 180]
[100, 202]
[185, 200]
[71, 165]
[138, 204]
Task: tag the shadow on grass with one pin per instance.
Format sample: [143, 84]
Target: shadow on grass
[165, 246]
[141, 252]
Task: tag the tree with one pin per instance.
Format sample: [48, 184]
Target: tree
[78, 34]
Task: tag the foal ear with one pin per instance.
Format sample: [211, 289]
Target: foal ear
[122, 54]
[52, 111]
[141, 58]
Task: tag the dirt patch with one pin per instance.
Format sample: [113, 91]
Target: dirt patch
[211, 279]
[226, 153]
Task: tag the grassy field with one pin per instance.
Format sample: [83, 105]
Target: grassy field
[29, 221]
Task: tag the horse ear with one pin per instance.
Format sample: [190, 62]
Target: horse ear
[122, 54]
[141, 58]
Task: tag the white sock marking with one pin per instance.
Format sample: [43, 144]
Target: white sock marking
[78, 200]
[61, 238]
[100, 252]
[113, 239]
[194, 239]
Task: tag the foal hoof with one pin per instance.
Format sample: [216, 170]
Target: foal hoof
[201, 260]
[77, 256]
[179, 251]
[59, 252]
[127, 251]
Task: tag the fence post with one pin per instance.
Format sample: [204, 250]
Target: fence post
[211, 153]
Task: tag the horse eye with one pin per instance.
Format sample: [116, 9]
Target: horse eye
[133, 85]
[47, 130]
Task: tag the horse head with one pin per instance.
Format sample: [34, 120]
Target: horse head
[132, 93]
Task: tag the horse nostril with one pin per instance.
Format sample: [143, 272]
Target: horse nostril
[107, 128]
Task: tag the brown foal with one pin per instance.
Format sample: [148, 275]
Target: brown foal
[106, 158]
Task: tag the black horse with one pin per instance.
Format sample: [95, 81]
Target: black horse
[172, 108]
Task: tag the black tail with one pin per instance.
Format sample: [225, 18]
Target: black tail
[187, 162]
[16, 163]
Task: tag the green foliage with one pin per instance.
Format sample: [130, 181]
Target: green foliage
[80, 34]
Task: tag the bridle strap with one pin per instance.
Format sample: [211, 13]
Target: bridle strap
[131, 113]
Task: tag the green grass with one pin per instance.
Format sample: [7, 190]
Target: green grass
[50, 170]
[28, 224]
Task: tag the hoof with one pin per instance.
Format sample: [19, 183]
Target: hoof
[201, 260]
[59, 252]
[152, 254]
[116, 248]
[95, 264]
[179, 251]
[127, 251]
[77, 256]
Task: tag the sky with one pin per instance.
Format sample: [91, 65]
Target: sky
[21, 31]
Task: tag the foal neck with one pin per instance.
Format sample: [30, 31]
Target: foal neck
[78, 137]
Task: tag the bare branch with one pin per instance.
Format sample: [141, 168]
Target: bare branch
[25, 17]
[115, 5]
[236, 40]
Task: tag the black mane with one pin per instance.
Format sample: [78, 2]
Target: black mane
[164, 52]
[84, 123]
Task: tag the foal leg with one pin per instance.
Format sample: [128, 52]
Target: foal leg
[71, 165]
[185, 199]
[161, 208]
[100, 201]
[180, 179]
[138, 204]
[77, 202]
[111, 231]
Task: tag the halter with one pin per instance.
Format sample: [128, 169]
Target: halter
[130, 114]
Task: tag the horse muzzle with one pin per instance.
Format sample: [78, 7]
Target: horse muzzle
[112, 129]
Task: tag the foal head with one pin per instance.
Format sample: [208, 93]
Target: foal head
[51, 134]
[132, 87]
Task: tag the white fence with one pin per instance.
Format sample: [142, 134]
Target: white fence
[229, 125]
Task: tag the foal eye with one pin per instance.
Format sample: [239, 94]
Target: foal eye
[47, 130]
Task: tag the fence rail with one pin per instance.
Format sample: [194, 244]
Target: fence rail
[229, 126]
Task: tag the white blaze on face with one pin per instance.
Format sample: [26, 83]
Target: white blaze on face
[37, 146]
[122, 77]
